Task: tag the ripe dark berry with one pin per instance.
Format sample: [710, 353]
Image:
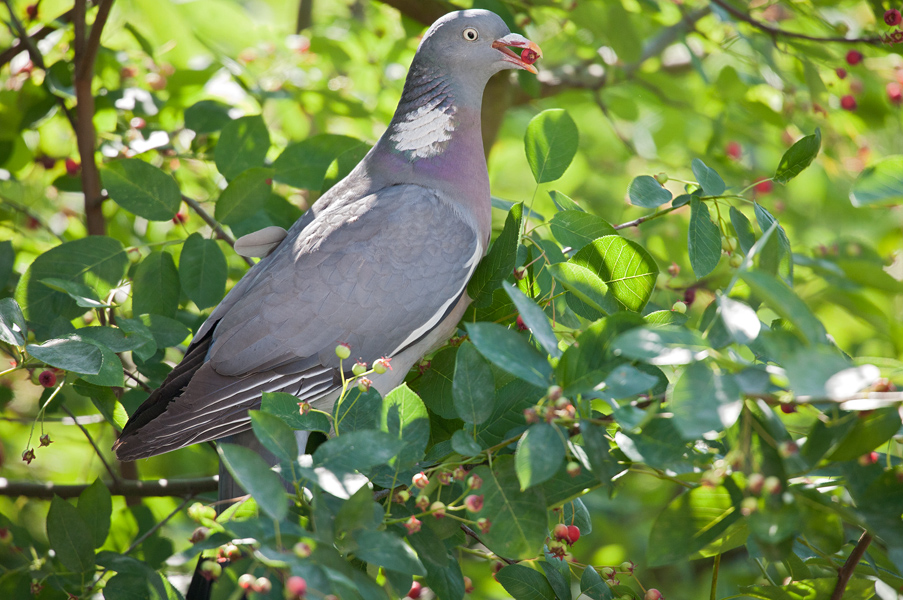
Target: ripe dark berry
[848, 102]
[521, 326]
[32, 11]
[893, 17]
[788, 408]
[560, 532]
[529, 56]
[841, 72]
[415, 590]
[180, 218]
[72, 167]
[573, 534]
[854, 57]
[47, 379]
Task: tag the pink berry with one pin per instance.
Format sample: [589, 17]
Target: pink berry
[560, 532]
[848, 102]
[381, 365]
[529, 56]
[484, 524]
[733, 150]
[415, 590]
[474, 503]
[573, 534]
[893, 17]
[868, 459]
[854, 57]
[841, 72]
[420, 480]
[438, 509]
[521, 326]
[413, 525]
[764, 187]
[246, 581]
[180, 218]
[653, 594]
[474, 482]
[895, 92]
[295, 587]
[468, 585]
[72, 167]
[47, 379]
[138, 123]
[262, 585]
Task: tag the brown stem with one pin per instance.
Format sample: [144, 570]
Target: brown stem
[846, 571]
[775, 32]
[305, 15]
[30, 40]
[138, 489]
[93, 445]
[217, 229]
[637, 222]
[86, 68]
[474, 535]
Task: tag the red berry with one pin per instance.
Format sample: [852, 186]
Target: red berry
[733, 150]
[295, 587]
[764, 187]
[895, 92]
[788, 408]
[32, 11]
[653, 594]
[689, 296]
[72, 167]
[180, 218]
[893, 17]
[415, 590]
[529, 56]
[841, 73]
[521, 326]
[474, 503]
[47, 379]
[573, 534]
[854, 57]
[138, 123]
[560, 532]
[848, 102]
[868, 459]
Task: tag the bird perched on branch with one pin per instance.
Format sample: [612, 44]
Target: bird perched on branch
[380, 262]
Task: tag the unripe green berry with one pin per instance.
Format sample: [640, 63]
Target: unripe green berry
[343, 351]
[359, 368]
[735, 261]
[679, 307]
[662, 178]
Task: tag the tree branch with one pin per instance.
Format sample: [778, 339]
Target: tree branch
[125, 487]
[775, 32]
[93, 43]
[217, 229]
[305, 15]
[22, 45]
[474, 535]
[846, 571]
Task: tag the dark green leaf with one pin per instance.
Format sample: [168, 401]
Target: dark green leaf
[285, 406]
[256, 477]
[142, 189]
[155, 287]
[304, 164]
[110, 374]
[69, 536]
[628, 270]
[83, 295]
[510, 352]
[524, 583]
[576, 513]
[856, 589]
[357, 451]
[202, 271]
[499, 262]
[745, 235]
[539, 455]
[708, 178]
[740, 321]
[359, 410]
[473, 388]
[464, 444]
[518, 519]
[703, 240]
[593, 587]
[243, 144]
[558, 577]
[564, 202]
[70, 354]
[550, 143]
[12, 323]
[585, 285]
[207, 116]
[387, 550]
[126, 587]
[405, 416]
[535, 320]
[275, 435]
[165, 331]
[798, 157]
[645, 191]
[244, 196]
[598, 452]
[703, 401]
[776, 254]
[359, 512]
[435, 384]
[95, 505]
[871, 431]
[575, 229]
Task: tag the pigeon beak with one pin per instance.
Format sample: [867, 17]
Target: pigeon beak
[530, 53]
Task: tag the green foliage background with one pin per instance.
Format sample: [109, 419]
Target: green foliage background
[216, 118]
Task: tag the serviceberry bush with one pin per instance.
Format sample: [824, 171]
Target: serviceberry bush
[678, 375]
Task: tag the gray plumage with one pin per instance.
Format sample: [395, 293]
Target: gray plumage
[380, 262]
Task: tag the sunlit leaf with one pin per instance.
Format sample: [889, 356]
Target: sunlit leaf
[799, 156]
[243, 144]
[551, 144]
[142, 189]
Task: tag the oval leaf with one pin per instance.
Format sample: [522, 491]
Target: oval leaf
[155, 287]
[69, 536]
[645, 191]
[473, 388]
[575, 229]
[70, 354]
[798, 157]
[524, 583]
[703, 239]
[275, 435]
[625, 266]
[708, 178]
[551, 144]
[535, 320]
[256, 477]
[510, 352]
[243, 144]
[142, 189]
[202, 271]
[539, 455]
[244, 196]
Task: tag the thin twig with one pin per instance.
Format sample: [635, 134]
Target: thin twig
[19, 29]
[143, 385]
[774, 31]
[474, 535]
[86, 66]
[97, 451]
[21, 45]
[643, 219]
[846, 571]
[125, 487]
[160, 523]
[216, 227]
[21, 209]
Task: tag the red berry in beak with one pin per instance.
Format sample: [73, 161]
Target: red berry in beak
[528, 56]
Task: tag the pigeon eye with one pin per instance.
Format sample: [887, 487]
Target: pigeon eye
[471, 34]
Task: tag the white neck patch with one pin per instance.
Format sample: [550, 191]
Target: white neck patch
[425, 132]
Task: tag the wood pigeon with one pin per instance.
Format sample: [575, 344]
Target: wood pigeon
[380, 262]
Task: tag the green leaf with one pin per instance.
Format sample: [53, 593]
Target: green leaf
[126, 587]
[518, 518]
[660, 345]
[499, 262]
[165, 331]
[359, 410]
[871, 431]
[69, 354]
[95, 505]
[703, 239]
[207, 116]
[510, 352]
[856, 589]
[464, 444]
[798, 157]
[592, 585]
[691, 522]
[524, 583]
[12, 323]
[628, 270]
[473, 388]
[104, 258]
[740, 321]
[558, 574]
[435, 384]
[585, 285]
[776, 256]
[551, 144]
[880, 183]
[142, 189]
[743, 228]
[598, 452]
[83, 295]
[539, 455]
[256, 477]
[645, 191]
[785, 303]
[110, 374]
[404, 415]
[304, 164]
[387, 550]
[285, 406]
[155, 287]
[357, 451]
[535, 320]
[244, 196]
[564, 202]
[69, 536]
[708, 178]
[359, 512]
[703, 401]
[275, 435]
[202, 271]
[243, 144]
[575, 229]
